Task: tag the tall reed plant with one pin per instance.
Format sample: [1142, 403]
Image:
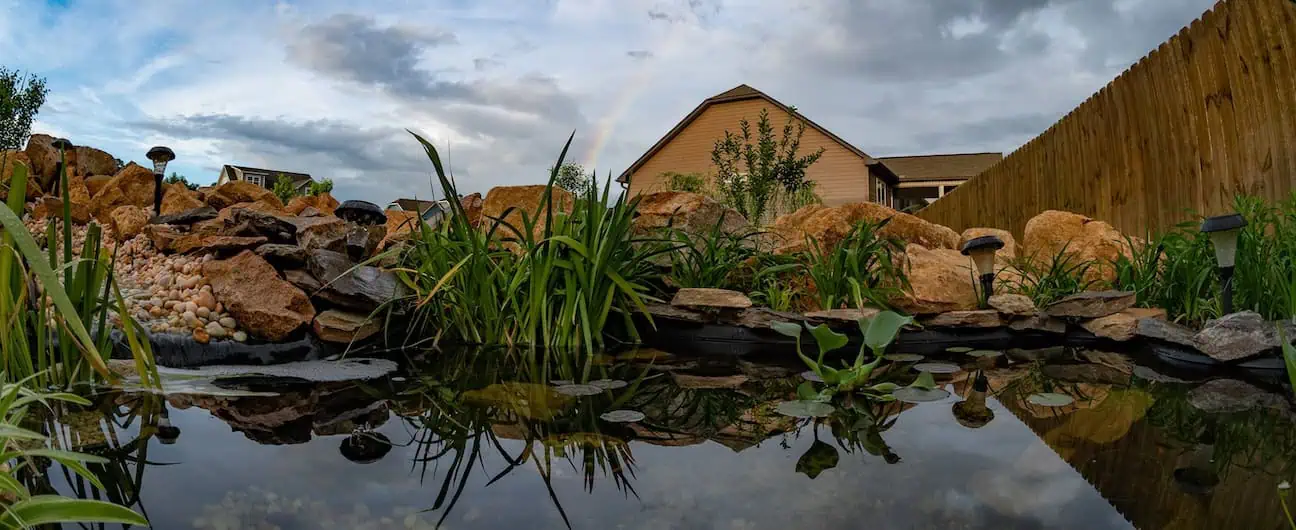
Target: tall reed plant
[710, 260]
[858, 271]
[1048, 279]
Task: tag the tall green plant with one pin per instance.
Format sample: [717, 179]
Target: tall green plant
[21, 97]
[752, 168]
[284, 188]
[860, 270]
[710, 259]
[1049, 279]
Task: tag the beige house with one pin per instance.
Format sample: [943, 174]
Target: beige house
[925, 178]
[265, 178]
[844, 174]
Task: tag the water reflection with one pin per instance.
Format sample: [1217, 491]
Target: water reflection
[488, 441]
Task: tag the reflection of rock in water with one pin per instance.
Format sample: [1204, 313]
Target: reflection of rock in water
[292, 417]
[256, 508]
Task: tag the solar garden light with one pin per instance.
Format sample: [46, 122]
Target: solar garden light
[166, 433]
[1223, 231]
[982, 251]
[63, 145]
[160, 156]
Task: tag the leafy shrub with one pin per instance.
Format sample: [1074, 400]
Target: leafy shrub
[752, 168]
[1052, 278]
[284, 188]
[861, 270]
[320, 187]
[687, 182]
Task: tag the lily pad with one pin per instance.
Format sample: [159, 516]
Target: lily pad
[1050, 399]
[578, 390]
[622, 416]
[958, 349]
[608, 384]
[904, 357]
[804, 409]
[938, 368]
[985, 353]
[819, 457]
[911, 394]
[809, 375]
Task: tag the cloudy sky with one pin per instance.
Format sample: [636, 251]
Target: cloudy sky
[330, 87]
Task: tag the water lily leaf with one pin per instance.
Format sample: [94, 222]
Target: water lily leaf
[622, 416]
[578, 390]
[911, 394]
[884, 387]
[819, 457]
[827, 339]
[904, 357]
[1050, 399]
[958, 349]
[925, 381]
[809, 375]
[786, 328]
[804, 409]
[985, 353]
[937, 368]
[882, 329]
[806, 392]
[608, 384]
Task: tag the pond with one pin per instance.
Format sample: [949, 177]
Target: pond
[466, 440]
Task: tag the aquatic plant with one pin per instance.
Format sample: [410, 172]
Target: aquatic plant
[860, 270]
[1289, 360]
[23, 450]
[1049, 279]
[555, 286]
[53, 344]
[879, 331]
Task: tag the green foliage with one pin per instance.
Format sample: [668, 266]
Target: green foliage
[752, 168]
[572, 177]
[772, 280]
[21, 97]
[1289, 359]
[878, 332]
[51, 343]
[708, 260]
[1047, 280]
[861, 270]
[177, 178]
[284, 188]
[320, 187]
[21, 451]
[556, 287]
[688, 182]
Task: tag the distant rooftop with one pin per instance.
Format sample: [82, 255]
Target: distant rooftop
[940, 166]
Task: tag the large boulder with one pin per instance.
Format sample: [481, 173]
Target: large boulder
[324, 203]
[231, 193]
[691, 212]
[1005, 254]
[133, 186]
[9, 159]
[97, 183]
[43, 158]
[829, 225]
[940, 282]
[266, 306]
[361, 288]
[128, 221]
[400, 225]
[53, 207]
[180, 199]
[91, 161]
[522, 199]
[472, 207]
[1239, 336]
[1084, 239]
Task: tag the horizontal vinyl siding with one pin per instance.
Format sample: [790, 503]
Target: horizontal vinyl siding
[840, 175]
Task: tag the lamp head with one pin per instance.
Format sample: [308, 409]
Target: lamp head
[1223, 231]
[160, 155]
[982, 251]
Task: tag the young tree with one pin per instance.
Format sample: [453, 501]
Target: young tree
[572, 177]
[177, 178]
[323, 186]
[753, 169]
[284, 188]
[21, 97]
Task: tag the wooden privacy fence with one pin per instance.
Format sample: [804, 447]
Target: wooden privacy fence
[1209, 114]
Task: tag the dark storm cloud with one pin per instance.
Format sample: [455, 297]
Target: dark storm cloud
[1019, 128]
[639, 54]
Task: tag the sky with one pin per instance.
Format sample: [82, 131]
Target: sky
[335, 88]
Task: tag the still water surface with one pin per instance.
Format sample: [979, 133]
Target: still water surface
[493, 445]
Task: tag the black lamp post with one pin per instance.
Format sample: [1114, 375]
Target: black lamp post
[166, 433]
[160, 156]
[982, 251]
[1223, 231]
[63, 145]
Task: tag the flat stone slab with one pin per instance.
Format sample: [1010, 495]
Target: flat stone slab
[187, 217]
[1237, 336]
[1091, 304]
[1039, 322]
[1122, 326]
[1013, 304]
[1229, 395]
[1163, 330]
[710, 299]
[843, 315]
[985, 318]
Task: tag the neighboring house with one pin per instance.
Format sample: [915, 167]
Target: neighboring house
[844, 174]
[265, 178]
[925, 178]
[431, 211]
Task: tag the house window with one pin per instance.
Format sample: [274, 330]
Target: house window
[881, 192]
[254, 178]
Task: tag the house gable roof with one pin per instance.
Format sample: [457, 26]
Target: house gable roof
[412, 205]
[941, 167]
[741, 93]
[297, 178]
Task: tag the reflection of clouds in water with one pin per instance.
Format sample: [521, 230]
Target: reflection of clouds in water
[1035, 485]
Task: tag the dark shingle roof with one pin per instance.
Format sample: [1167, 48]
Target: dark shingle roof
[297, 178]
[937, 167]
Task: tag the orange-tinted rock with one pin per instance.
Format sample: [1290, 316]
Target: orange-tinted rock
[95, 184]
[472, 207]
[1084, 239]
[522, 199]
[266, 306]
[940, 280]
[162, 236]
[829, 225]
[1122, 326]
[344, 327]
[323, 202]
[400, 224]
[43, 158]
[239, 191]
[91, 161]
[203, 243]
[9, 159]
[1007, 253]
[179, 199]
[133, 186]
[53, 207]
[691, 212]
[128, 221]
[315, 233]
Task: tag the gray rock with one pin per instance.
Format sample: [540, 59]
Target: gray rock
[283, 256]
[303, 280]
[1237, 336]
[1013, 304]
[252, 223]
[1229, 395]
[364, 288]
[1091, 304]
[987, 318]
[187, 217]
[1163, 330]
[1051, 353]
[362, 241]
[1039, 322]
[842, 315]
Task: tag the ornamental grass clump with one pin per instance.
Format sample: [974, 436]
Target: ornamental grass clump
[861, 270]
